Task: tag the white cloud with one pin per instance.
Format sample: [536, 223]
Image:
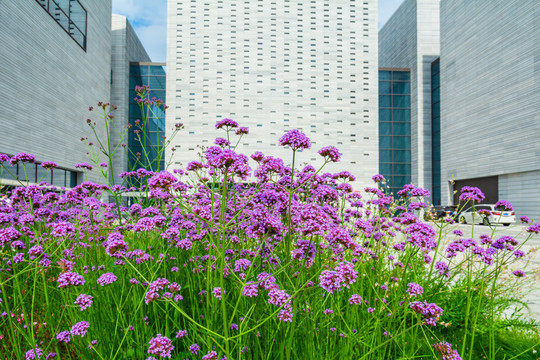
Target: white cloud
[149, 19]
[387, 9]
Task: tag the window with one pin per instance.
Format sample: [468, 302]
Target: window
[71, 16]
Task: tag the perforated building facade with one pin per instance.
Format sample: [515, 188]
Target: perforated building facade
[274, 66]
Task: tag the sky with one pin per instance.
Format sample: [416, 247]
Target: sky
[149, 19]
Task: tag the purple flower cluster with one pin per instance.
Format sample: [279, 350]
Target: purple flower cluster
[68, 279]
[445, 349]
[115, 245]
[63, 336]
[343, 276]
[471, 193]
[331, 153]
[414, 289]
[161, 346]
[106, 279]
[504, 205]
[80, 328]
[211, 355]
[296, 140]
[84, 301]
[355, 300]
[226, 123]
[22, 157]
[430, 311]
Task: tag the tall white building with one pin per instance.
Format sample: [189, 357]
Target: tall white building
[274, 66]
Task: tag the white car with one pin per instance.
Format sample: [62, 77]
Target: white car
[495, 216]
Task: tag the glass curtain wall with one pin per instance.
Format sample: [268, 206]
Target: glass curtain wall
[395, 127]
[436, 132]
[152, 75]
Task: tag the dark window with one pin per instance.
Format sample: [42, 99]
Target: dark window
[70, 15]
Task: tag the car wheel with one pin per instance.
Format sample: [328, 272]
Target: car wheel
[462, 220]
[485, 222]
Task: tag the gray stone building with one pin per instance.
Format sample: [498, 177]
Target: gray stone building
[126, 48]
[58, 59]
[410, 40]
[274, 66]
[490, 100]
[55, 63]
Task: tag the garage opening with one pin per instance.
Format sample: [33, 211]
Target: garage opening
[488, 185]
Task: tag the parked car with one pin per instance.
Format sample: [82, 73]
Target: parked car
[441, 211]
[486, 214]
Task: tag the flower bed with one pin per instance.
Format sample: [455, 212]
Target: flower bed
[221, 261]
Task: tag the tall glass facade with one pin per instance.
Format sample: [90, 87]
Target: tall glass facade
[150, 135]
[395, 127]
[436, 132]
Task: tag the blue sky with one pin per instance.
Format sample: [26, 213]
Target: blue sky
[149, 19]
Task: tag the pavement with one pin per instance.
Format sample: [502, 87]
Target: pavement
[530, 264]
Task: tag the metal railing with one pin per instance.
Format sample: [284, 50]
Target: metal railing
[70, 15]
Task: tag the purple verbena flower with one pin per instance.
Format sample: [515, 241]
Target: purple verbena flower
[226, 123]
[217, 292]
[535, 228]
[355, 300]
[34, 354]
[331, 280]
[525, 219]
[22, 157]
[83, 166]
[48, 165]
[414, 289]
[106, 279]
[250, 289]
[377, 178]
[242, 131]
[80, 328]
[295, 139]
[471, 193]
[161, 346]
[504, 205]
[70, 279]
[445, 349]
[63, 336]
[331, 153]
[211, 355]
[194, 349]
[84, 301]
[430, 311]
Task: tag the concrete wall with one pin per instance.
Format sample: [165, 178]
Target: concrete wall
[126, 48]
[275, 66]
[522, 190]
[490, 96]
[48, 81]
[410, 39]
